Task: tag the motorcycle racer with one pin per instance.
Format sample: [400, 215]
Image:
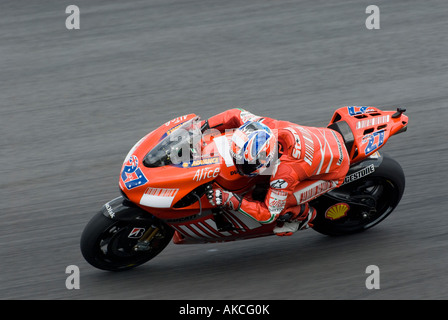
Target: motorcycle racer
[303, 163]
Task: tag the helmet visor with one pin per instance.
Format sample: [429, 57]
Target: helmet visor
[245, 168]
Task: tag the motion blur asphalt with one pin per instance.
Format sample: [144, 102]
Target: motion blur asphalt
[73, 102]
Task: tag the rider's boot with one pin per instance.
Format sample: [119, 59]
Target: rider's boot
[297, 219]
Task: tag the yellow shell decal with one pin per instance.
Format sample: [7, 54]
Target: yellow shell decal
[337, 211]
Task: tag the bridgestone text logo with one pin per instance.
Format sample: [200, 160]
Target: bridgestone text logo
[359, 174]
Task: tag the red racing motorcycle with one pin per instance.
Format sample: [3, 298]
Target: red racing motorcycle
[167, 176]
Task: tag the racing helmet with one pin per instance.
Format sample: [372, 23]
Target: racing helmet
[252, 147]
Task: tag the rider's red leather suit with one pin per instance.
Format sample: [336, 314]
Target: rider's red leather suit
[312, 161]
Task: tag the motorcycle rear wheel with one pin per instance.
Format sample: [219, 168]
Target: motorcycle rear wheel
[109, 244]
[382, 191]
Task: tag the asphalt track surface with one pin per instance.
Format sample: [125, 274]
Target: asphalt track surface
[73, 102]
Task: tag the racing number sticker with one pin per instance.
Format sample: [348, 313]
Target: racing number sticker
[373, 143]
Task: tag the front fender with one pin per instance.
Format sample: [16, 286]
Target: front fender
[124, 210]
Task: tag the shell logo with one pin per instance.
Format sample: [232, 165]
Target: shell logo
[337, 211]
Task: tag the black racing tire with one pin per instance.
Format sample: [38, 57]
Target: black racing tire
[106, 245]
[385, 185]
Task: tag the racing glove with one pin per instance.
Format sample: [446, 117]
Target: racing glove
[220, 197]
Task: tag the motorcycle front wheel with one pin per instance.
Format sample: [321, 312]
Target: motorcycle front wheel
[116, 245]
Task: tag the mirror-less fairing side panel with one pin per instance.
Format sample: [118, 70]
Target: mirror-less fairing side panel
[122, 209]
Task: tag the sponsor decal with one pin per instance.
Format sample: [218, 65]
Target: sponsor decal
[372, 122]
[131, 174]
[158, 197]
[177, 120]
[357, 110]
[110, 211]
[359, 174]
[341, 155]
[309, 145]
[206, 173]
[279, 184]
[183, 219]
[337, 211]
[169, 131]
[297, 150]
[314, 190]
[136, 233]
[201, 162]
[277, 201]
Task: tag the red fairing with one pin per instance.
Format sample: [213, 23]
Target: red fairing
[310, 162]
[370, 126]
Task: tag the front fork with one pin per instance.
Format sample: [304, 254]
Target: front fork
[121, 209]
[144, 243]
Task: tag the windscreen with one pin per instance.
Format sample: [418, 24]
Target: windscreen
[179, 146]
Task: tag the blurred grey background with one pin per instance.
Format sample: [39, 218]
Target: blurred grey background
[73, 102]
